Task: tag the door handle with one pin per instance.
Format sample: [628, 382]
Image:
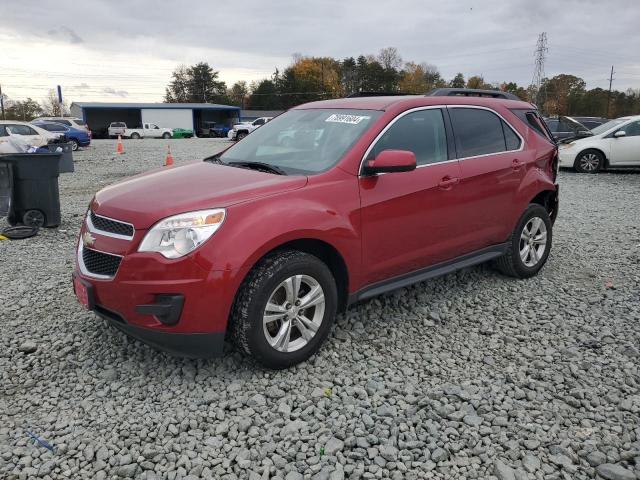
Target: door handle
[448, 182]
[517, 164]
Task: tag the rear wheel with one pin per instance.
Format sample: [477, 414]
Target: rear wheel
[166, 135]
[74, 144]
[284, 309]
[589, 161]
[34, 218]
[529, 245]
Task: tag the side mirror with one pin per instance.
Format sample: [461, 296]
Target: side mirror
[389, 161]
[620, 133]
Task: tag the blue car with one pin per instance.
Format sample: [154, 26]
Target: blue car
[75, 136]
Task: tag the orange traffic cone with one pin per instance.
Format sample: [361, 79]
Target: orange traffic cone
[168, 161]
[120, 149]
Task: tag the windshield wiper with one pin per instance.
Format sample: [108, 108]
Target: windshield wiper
[265, 167]
[213, 158]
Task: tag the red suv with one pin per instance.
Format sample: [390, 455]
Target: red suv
[328, 204]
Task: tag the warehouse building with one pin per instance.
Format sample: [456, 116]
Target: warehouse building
[192, 116]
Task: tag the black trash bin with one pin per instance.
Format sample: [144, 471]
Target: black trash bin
[6, 188]
[66, 159]
[36, 198]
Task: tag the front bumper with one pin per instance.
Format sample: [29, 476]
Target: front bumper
[191, 345]
[180, 306]
[566, 157]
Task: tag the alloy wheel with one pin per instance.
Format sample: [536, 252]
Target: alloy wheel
[589, 162]
[294, 313]
[533, 241]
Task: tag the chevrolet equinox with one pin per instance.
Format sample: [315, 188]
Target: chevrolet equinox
[328, 204]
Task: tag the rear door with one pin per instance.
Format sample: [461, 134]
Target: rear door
[626, 150]
[409, 219]
[492, 164]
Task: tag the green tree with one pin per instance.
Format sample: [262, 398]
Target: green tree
[238, 93]
[25, 110]
[458, 81]
[195, 84]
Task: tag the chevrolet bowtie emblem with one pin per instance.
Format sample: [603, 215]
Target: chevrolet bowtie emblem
[88, 240]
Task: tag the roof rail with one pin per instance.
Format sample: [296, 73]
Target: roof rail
[471, 92]
[377, 94]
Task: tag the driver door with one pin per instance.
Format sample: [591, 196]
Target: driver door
[626, 150]
[409, 219]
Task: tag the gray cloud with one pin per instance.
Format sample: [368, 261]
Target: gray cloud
[493, 38]
[115, 93]
[67, 33]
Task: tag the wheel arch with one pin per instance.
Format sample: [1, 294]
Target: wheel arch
[549, 200]
[596, 149]
[325, 252]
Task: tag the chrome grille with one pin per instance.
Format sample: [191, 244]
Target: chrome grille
[109, 225]
[100, 263]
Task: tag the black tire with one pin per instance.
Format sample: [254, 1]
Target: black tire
[135, 136]
[511, 263]
[34, 218]
[166, 135]
[246, 320]
[241, 135]
[589, 161]
[74, 144]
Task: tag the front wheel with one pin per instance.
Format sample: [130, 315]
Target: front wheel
[284, 309]
[135, 136]
[241, 135]
[74, 144]
[589, 161]
[529, 245]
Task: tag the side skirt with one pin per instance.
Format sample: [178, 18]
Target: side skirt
[433, 271]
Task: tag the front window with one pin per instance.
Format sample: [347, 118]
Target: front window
[303, 141]
[631, 129]
[607, 126]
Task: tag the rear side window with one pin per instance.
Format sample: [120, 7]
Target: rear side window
[421, 132]
[477, 132]
[512, 141]
[532, 119]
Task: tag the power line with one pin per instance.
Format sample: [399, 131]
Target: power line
[609, 94]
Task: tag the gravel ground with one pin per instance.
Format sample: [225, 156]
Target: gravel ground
[473, 375]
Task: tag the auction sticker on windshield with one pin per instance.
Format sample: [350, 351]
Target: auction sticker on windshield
[341, 118]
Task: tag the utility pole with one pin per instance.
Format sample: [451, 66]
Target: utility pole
[609, 94]
[538, 70]
[2, 102]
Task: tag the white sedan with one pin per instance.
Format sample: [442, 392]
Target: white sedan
[31, 134]
[613, 144]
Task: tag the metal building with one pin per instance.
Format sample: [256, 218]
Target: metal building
[193, 116]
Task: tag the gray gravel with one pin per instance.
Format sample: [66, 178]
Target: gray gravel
[469, 376]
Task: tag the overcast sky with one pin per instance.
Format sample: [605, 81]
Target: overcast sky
[125, 51]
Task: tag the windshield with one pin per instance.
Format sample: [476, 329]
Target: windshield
[303, 141]
[607, 126]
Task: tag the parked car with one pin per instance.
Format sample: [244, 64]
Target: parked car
[182, 133]
[613, 144]
[564, 128]
[32, 134]
[116, 128]
[68, 121]
[77, 137]
[265, 242]
[214, 129]
[148, 130]
[241, 130]
[591, 122]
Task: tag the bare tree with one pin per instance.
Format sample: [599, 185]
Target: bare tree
[51, 107]
[390, 58]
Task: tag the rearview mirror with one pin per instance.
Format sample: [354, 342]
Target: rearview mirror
[389, 161]
[620, 133]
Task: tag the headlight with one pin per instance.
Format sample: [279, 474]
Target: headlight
[181, 234]
[564, 146]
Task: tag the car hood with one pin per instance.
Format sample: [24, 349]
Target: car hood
[147, 198]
